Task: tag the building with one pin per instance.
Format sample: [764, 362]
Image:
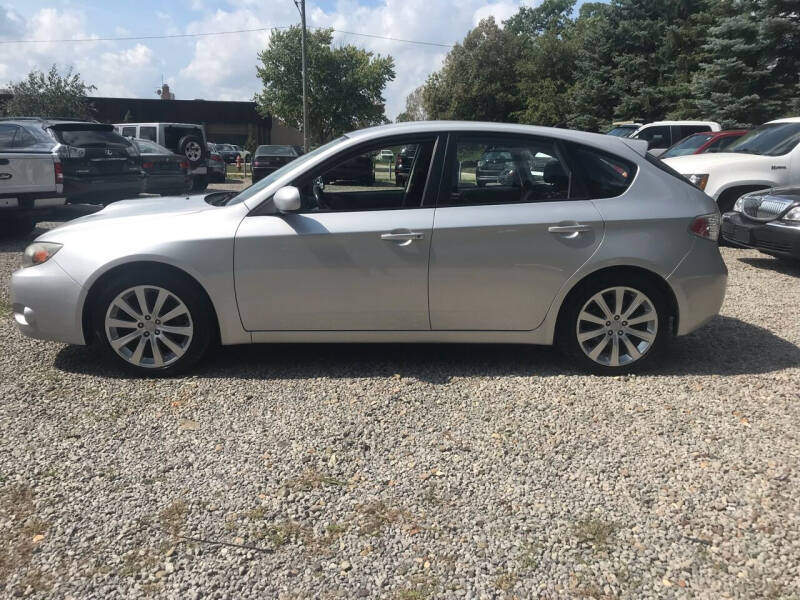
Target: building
[224, 122]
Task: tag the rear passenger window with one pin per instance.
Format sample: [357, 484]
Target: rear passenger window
[129, 131]
[148, 133]
[603, 175]
[506, 170]
[7, 135]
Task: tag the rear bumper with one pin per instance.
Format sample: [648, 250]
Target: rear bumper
[698, 283]
[45, 301]
[121, 186]
[155, 184]
[774, 237]
[261, 172]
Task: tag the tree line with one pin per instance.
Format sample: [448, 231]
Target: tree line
[732, 61]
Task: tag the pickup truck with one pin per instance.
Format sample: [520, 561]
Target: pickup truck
[31, 178]
[767, 157]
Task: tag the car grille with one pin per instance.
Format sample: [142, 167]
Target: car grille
[765, 208]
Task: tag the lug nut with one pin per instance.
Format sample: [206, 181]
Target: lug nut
[146, 334]
[147, 317]
[624, 323]
[608, 323]
[616, 317]
[140, 325]
[158, 322]
[158, 332]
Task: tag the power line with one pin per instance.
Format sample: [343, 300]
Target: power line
[210, 33]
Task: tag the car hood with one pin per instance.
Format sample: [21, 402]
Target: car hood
[133, 212]
[705, 163]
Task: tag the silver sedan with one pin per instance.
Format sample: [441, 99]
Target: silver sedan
[594, 246]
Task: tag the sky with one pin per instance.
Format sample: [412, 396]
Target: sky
[223, 67]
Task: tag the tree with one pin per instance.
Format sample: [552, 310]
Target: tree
[50, 95]
[345, 84]
[415, 109]
[546, 69]
[128, 118]
[751, 74]
[478, 81]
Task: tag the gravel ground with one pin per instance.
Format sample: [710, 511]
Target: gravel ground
[413, 471]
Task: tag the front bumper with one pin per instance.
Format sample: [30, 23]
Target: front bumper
[46, 303]
[774, 237]
[698, 283]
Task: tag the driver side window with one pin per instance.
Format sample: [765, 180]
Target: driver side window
[387, 176]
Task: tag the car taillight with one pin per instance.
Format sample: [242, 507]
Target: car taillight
[706, 226]
[184, 165]
[59, 172]
[147, 165]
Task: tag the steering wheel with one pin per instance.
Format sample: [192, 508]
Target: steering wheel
[318, 186]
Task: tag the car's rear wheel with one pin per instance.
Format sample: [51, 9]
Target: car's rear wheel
[153, 324]
[191, 146]
[615, 326]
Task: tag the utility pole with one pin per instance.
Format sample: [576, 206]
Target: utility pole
[301, 6]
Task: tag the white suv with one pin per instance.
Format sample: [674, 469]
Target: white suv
[768, 156]
[187, 139]
[660, 135]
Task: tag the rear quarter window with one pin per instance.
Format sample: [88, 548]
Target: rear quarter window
[604, 175]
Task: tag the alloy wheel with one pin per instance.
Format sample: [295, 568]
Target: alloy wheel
[149, 326]
[617, 326]
[193, 151]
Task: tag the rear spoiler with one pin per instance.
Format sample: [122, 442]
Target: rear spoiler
[638, 146]
[82, 126]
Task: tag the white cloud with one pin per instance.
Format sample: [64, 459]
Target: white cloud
[224, 67]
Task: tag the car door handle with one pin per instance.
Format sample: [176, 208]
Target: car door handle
[405, 236]
[577, 228]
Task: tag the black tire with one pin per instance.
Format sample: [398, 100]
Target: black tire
[184, 288]
[567, 332]
[193, 148]
[199, 183]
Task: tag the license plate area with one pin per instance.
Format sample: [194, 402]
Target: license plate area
[741, 234]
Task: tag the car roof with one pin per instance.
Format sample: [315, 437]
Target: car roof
[681, 123]
[414, 127]
[786, 120]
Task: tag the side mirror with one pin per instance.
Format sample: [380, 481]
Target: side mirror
[287, 199]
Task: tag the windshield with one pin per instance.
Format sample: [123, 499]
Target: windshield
[772, 139]
[688, 145]
[623, 130]
[275, 175]
[275, 151]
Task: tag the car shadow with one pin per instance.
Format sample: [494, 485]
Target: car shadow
[714, 350]
[785, 267]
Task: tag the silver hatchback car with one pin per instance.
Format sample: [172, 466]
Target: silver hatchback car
[582, 240]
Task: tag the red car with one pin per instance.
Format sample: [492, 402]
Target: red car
[700, 143]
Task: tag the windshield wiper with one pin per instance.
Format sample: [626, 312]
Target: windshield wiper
[219, 198]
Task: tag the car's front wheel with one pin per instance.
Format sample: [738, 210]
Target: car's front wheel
[153, 323]
[615, 325]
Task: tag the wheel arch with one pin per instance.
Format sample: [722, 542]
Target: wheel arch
[727, 196]
[141, 266]
[619, 271]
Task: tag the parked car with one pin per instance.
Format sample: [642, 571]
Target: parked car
[99, 166]
[768, 220]
[229, 152]
[497, 160]
[288, 260]
[660, 135]
[186, 139]
[269, 159]
[166, 173]
[768, 156]
[386, 155]
[31, 176]
[405, 158]
[217, 167]
[700, 143]
[359, 170]
[624, 129]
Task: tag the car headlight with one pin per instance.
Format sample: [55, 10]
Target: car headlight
[698, 181]
[792, 215]
[38, 253]
[739, 204]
